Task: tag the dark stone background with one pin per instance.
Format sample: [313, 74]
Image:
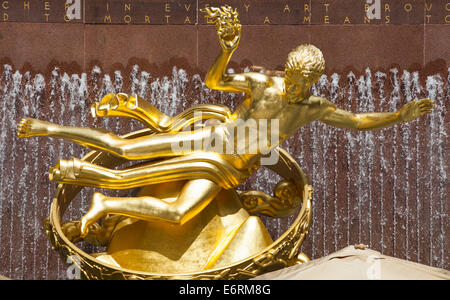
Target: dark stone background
[403, 214]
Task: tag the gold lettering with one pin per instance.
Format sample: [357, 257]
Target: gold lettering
[267, 20]
[326, 20]
[5, 17]
[127, 7]
[347, 21]
[307, 7]
[428, 7]
[447, 19]
[286, 8]
[127, 19]
[26, 5]
[46, 17]
[107, 18]
[5, 5]
[428, 18]
[387, 7]
[187, 7]
[407, 7]
[147, 19]
[246, 7]
[167, 18]
[366, 20]
[388, 19]
[366, 7]
[66, 7]
[326, 6]
[307, 19]
[167, 7]
[187, 20]
[447, 6]
[47, 5]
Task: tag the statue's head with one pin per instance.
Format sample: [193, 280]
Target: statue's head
[306, 63]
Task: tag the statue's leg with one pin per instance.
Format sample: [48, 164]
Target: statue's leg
[76, 171]
[193, 198]
[98, 139]
[145, 147]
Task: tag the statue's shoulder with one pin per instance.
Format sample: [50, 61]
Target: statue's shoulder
[258, 81]
[275, 82]
[257, 78]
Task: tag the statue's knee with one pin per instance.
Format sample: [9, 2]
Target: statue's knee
[125, 148]
[112, 142]
[175, 215]
[120, 151]
[178, 215]
[119, 148]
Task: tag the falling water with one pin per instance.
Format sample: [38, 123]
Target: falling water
[386, 188]
[435, 90]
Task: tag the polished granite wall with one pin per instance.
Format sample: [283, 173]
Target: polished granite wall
[387, 188]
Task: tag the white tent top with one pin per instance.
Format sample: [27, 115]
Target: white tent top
[357, 263]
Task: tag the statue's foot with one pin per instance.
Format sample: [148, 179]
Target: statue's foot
[29, 127]
[65, 169]
[95, 212]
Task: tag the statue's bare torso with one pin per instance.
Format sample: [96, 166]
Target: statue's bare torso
[267, 101]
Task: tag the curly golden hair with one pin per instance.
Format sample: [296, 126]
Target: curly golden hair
[307, 60]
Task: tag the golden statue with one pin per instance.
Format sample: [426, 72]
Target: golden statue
[187, 217]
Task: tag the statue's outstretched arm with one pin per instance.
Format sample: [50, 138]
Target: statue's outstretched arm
[229, 32]
[367, 121]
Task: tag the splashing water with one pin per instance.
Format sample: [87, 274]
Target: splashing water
[386, 188]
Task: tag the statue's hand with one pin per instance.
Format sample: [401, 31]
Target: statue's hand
[228, 26]
[414, 109]
[71, 230]
[229, 37]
